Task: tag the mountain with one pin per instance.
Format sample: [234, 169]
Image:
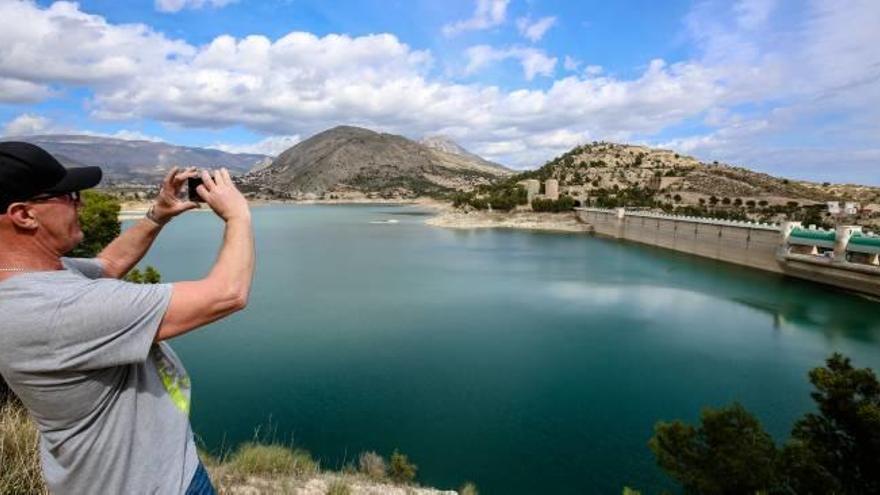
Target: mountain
[348, 161]
[447, 145]
[590, 168]
[136, 161]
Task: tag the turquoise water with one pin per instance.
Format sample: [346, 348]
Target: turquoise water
[524, 362]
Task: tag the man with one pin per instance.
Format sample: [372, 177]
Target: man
[83, 350]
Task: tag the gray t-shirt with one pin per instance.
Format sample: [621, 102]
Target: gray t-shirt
[111, 406]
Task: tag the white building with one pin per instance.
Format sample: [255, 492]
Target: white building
[851, 208]
[532, 187]
[551, 189]
[834, 207]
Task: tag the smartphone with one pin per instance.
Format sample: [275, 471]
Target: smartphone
[192, 183]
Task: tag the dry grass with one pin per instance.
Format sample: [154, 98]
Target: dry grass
[373, 465]
[253, 468]
[20, 471]
[253, 459]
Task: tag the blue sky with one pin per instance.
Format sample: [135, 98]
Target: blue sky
[786, 87]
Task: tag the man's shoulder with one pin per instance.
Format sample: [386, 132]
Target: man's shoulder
[88, 267]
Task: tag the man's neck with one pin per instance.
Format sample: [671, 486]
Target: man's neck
[34, 258]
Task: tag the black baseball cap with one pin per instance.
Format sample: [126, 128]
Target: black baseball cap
[26, 171]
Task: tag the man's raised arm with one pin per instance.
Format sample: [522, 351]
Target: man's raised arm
[226, 288]
[126, 251]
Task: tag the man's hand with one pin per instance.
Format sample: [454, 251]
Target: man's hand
[168, 204]
[222, 196]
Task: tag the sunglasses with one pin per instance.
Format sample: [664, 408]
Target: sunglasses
[73, 197]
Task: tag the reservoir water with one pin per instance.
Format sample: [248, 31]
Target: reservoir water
[521, 361]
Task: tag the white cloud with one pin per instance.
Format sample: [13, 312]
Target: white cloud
[27, 124]
[30, 124]
[570, 63]
[534, 30]
[272, 145]
[534, 62]
[18, 91]
[62, 44]
[178, 5]
[825, 67]
[751, 14]
[488, 14]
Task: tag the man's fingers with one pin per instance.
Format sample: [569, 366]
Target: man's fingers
[220, 177]
[202, 191]
[226, 176]
[189, 205]
[208, 181]
[182, 176]
[169, 177]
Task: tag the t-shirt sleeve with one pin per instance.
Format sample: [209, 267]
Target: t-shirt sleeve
[108, 323]
[90, 267]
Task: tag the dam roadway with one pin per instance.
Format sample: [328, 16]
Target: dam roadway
[846, 257]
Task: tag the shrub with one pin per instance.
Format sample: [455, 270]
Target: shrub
[468, 489]
[338, 487]
[253, 459]
[372, 465]
[564, 203]
[401, 469]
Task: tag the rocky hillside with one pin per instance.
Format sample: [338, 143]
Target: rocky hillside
[349, 161]
[447, 145]
[129, 161]
[609, 166]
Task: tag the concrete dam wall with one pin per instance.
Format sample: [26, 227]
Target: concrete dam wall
[786, 249]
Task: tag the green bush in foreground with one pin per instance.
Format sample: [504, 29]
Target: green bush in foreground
[836, 450]
[253, 459]
[401, 469]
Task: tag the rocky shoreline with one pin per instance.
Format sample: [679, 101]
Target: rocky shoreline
[446, 216]
[525, 220]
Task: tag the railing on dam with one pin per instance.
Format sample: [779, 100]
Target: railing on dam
[846, 257]
[685, 218]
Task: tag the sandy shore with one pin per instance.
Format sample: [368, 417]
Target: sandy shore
[552, 222]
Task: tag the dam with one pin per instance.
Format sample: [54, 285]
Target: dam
[845, 257]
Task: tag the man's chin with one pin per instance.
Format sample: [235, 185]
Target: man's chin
[75, 241]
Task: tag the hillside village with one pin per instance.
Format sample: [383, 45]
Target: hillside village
[603, 174]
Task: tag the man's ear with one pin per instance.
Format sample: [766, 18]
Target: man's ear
[22, 216]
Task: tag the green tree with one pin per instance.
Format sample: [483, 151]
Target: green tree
[152, 276]
[838, 448]
[833, 450]
[99, 221]
[134, 276]
[729, 453]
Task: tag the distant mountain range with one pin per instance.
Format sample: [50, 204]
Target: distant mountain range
[125, 161]
[348, 161]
